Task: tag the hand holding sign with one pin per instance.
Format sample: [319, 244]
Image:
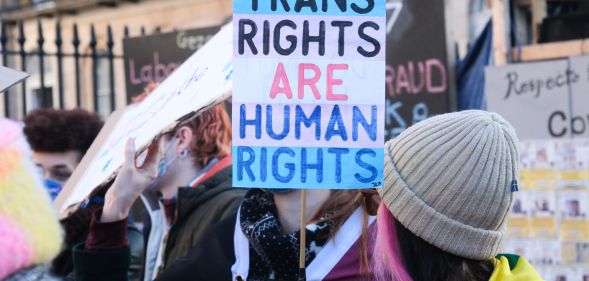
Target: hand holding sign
[130, 182]
[199, 83]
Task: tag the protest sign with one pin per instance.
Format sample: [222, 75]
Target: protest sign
[542, 99]
[152, 58]
[417, 74]
[199, 83]
[308, 101]
[9, 77]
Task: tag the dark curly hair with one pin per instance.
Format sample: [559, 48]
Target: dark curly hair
[51, 130]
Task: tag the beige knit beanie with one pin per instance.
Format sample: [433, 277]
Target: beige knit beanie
[449, 180]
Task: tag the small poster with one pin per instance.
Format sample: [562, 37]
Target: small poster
[543, 220]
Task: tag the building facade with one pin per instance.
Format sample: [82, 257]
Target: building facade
[39, 19]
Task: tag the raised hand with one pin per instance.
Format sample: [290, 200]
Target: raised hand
[130, 182]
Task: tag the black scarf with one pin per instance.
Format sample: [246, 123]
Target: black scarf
[273, 254]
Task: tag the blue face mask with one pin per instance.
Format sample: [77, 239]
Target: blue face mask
[163, 165]
[53, 187]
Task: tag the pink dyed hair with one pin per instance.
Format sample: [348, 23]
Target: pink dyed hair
[387, 262]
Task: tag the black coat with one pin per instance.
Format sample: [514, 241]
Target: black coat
[211, 259]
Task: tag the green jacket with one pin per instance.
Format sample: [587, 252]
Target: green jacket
[513, 268]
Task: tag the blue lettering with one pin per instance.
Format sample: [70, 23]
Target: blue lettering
[256, 122]
[241, 164]
[372, 169]
[338, 161]
[336, 119]
[315, 118]
[285, 127]
[305, 165]
[358, 118]
[289, 166]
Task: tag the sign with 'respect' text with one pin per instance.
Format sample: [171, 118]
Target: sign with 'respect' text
[308, 101]
[542, 100]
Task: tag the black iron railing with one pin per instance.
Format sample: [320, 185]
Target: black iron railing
[94, 54]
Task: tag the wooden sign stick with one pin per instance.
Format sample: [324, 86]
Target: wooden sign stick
[302, 237]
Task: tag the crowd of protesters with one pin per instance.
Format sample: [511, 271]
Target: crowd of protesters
[441, 215]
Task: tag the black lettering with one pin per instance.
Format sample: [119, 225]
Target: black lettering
[539, 86]
[368, 39]
[512, 77]
[307, 38]
[266, 38]
[247, 37]
[560, 80]
[254, 5]
[578, 120]
[305, 3]
[551, 123]
[366, 10]
[341, 4]
[284, 3]
[550, 83]
[341, 43]
[290, 38]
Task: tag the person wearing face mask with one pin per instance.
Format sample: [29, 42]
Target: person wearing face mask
[185, 181]
[59, 139]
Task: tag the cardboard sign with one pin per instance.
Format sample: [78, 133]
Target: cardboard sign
[417, 75]
[204, 80]
[153, 58]
[9, 77]
[543, 99]
[308, 101]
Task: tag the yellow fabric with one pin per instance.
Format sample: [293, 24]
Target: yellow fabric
[24, 201]
[522, 271]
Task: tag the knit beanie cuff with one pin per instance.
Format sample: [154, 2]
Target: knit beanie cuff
[432, 226]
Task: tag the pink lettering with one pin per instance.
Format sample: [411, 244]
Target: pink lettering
[279, 77]
[331, 82]
[311, 82]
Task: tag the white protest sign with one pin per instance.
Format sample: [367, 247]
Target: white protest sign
[542, 99]
[9, 77]
[308, 102]
[199, 83]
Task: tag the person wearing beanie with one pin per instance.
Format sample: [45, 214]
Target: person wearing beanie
[449, 184]
[30, 235]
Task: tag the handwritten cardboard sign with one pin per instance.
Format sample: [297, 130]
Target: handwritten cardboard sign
[308, 101]
[543, 99]
[199, 83]
[152, 58]
[9, 77]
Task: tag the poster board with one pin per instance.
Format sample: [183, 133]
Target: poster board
[202, 81]
[154, 57]
[9, 77]
[308, 101]
[549, 221]
[542, 100]
[417, 72]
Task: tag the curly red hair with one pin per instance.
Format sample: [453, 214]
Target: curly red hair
[212, 135]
